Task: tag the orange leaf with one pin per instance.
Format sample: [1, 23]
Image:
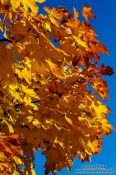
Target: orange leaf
[86, 12]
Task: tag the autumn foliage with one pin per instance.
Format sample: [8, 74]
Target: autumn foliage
[51, 95]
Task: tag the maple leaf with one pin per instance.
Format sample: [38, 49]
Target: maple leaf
[87, 12]
[76, 14]
[26, 4]
[9, 147]
[105, 70]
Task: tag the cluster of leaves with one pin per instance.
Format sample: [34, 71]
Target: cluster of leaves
[50, 96]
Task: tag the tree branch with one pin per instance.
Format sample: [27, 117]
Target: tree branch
[5, 39]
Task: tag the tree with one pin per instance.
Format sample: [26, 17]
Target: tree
[51, 97]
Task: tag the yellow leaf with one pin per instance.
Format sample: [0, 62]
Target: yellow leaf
[15, 3]
[10, 127]
[17, 160]
[40, 1]
[76, 14]
[100, 108]
[29, 92]
[2, 156]
[13, 91]
[33, 172]
[69, 120]
[36, 122]
[27, 100]
[53, 67]
[80, 42]
[15, 172]
[29, 118]
[94, 145]
[26, 4]
[48, 26]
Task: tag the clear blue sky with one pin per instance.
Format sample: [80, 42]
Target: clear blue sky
[105, 26]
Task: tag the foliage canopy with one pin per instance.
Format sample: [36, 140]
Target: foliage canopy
[50, 96]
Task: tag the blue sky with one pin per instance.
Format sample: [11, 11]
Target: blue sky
[105, 26]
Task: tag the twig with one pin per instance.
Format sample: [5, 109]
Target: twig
[5, 39]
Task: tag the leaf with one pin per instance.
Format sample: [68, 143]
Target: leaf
[40, 1]
[95, 146]
[76, 14]
[87, 12]
[1, 156]
[80, 42]
[105, 70]
[48, 26]
[36, 123]
[17, 160]
[10, 127]
[69, 120]
[33, 172]
[24, 74]
[53, 67]
[29, 92]
[13, 91]
[15, 4]
[26, 4]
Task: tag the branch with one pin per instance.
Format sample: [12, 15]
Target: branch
[5, 39]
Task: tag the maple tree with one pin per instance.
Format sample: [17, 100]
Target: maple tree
[50, 96]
